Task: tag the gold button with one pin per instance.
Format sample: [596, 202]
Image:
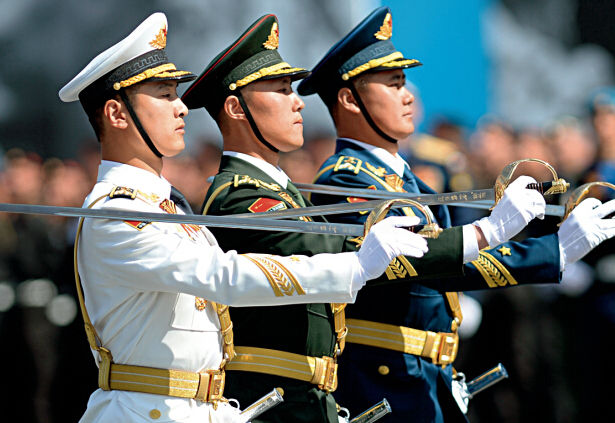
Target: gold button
[155, 414]
[345, 77]
[383, 370]
[117, 86]
[232, 87]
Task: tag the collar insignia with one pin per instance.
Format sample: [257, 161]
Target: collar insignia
[273, 41]
[395, 182]
[168, 206]
[160, 41]
[386, 29]
[378, 171]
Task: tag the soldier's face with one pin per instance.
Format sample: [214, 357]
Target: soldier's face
[388, 101]
[276, 109]
[161, 113]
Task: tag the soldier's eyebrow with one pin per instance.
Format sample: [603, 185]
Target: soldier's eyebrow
[167, 84]
[398, 77]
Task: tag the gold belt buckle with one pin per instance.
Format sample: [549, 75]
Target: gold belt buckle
[448, 348]
[330, 379]
[215, 388]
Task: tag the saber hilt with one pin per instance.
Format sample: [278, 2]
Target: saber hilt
[486, 380]
[373, 413]
[559, 186]
[270, 400]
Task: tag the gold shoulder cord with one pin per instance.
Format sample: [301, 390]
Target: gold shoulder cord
[341, 330]
[226, 328]
[214, 195]
[106, 358]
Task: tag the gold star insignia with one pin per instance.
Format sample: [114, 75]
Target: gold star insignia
[295, 258]
[505, 251]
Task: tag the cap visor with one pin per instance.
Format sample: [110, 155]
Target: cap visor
[294, 74]
[177, 75]
[396, 64]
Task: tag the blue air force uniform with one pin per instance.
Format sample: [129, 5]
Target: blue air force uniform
[414, 385]
[402, 340]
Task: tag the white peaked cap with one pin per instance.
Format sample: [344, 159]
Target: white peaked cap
[137, 57]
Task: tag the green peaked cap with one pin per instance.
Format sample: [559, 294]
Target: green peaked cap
[252, 57]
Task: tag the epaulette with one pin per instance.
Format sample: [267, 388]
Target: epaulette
[236, 181]
[257, 183]
[349, 163]
[131, 194]
[355, 165]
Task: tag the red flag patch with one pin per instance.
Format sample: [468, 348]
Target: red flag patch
[356, 199]
[266, 204]
[136, 224]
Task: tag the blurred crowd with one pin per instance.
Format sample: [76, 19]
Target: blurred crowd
[551, 339]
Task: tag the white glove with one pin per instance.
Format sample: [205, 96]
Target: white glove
[584, 229]
[516, 209]
[385, 241]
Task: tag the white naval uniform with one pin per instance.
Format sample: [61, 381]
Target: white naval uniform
[140, 287]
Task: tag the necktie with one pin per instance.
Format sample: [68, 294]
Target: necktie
[410, 181]
[179, 200]
[295, 193]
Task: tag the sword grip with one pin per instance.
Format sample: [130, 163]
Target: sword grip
[550, 187]
[429, 230]
[486, 380]
[374, 413]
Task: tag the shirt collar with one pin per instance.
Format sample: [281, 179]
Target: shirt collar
[123, 175]
[274, 172]
[395, 162]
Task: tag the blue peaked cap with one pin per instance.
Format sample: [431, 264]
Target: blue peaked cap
[367, 48]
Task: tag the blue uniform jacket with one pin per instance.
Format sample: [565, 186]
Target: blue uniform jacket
[418, 390]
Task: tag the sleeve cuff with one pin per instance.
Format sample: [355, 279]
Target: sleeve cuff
[470, 244]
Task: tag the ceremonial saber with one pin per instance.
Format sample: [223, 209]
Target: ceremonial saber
[449, 199]
[479, 199]
[234, 221]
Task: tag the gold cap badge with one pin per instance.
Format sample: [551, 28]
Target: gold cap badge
[273, 41]
[386, 29]
[160, 41]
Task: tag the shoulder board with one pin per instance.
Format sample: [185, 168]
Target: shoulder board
[356, 165]
[131, 194]
[236, 181]
[349, 163]
[256, 183]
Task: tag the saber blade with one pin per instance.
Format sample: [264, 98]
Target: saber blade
[328, 209]
[234, 221]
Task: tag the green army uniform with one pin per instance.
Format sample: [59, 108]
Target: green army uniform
[307, 330]
[292, 347]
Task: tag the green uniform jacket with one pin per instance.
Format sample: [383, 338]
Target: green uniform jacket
[305, 329]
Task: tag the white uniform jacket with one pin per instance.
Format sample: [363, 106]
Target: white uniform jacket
[141, 280]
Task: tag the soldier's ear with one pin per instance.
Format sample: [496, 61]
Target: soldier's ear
[232, 108]
[346, 100]
[115, 114]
